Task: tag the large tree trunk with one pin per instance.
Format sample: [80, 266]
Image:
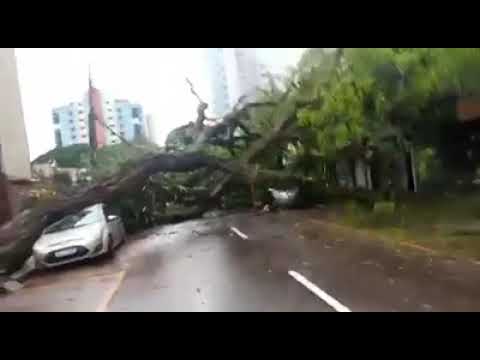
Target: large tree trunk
[18, 236]
[5, 208]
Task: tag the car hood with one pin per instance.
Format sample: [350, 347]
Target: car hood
[70, 237]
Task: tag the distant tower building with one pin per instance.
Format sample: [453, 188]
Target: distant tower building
[244, 73]
[233, 72]
[128, 119]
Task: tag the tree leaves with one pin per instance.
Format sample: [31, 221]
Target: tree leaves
[378, 92]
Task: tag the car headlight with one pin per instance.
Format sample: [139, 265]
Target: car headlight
[98, 248]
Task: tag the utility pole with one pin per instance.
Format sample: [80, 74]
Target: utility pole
[92, 122]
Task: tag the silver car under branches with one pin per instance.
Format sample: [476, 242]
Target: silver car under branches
[86, 234]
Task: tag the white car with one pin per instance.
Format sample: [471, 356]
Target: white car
[87, 234]
[284, 198]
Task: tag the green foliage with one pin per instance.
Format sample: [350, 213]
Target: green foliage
[110, 159]
[428, 165]
[69, 157]
[113, 158]
[218, 151]
[375, 95]
[62, 179]
[368, 101]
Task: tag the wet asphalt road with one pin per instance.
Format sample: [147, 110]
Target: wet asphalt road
[202, 266]
[195, 266]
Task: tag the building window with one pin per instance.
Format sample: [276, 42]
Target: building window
[84, 136]
[137, 130]
[135, 112]
[80, 111]
[71, 121]
[58, 138]
[122, 133]
[72, 129]
[74, 137]
[70, 113]
[56, 118]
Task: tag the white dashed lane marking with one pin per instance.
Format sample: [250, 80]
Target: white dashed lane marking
[319, 292]
[239, 233]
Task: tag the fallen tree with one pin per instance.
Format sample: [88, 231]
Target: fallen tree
[18, 236]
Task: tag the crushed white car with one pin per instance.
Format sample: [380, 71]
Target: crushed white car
[87, 234]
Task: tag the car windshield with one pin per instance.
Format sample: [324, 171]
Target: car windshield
[82, 218]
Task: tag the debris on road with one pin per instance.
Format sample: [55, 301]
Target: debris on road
[373, 263]
[166, 234]
[427, 307]
[12, 286]
[28, 267]
[214, 214]
[12, 282]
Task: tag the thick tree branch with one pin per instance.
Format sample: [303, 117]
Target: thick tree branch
[18, 236]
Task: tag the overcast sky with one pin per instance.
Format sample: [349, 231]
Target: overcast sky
[155, 78]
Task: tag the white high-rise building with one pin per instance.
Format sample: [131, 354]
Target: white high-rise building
[152, 128]
[219, 98]
[14, 152]
[233, 73]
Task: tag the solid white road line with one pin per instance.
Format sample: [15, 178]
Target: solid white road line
[239, 233]
[319, 292]
[102, 307]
